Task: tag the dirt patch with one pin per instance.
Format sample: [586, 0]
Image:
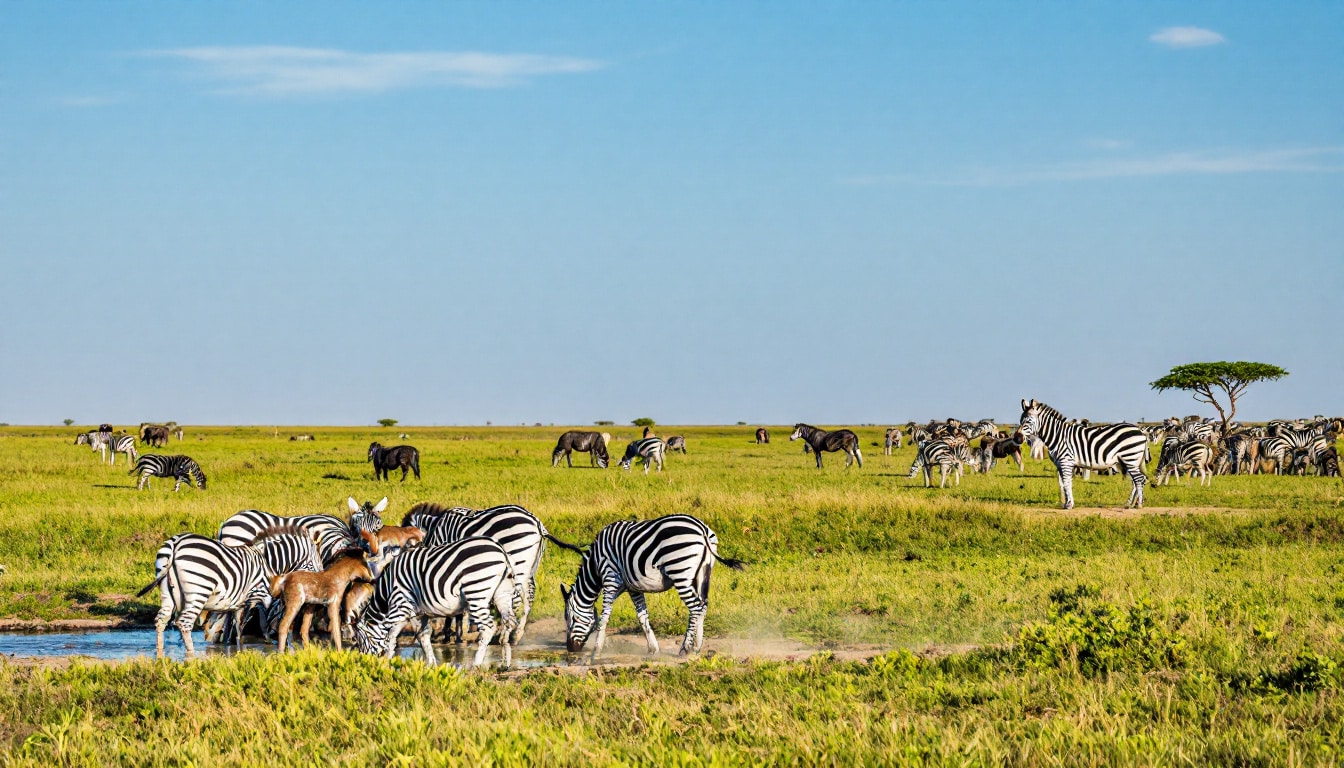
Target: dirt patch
[64, 625]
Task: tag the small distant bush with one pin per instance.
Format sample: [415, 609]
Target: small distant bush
[604, 423]
[387, 422]
[741, 423]
[68, 422]
[643, 421]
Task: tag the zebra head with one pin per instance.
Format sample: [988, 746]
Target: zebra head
[366, 517]
[371, 630]
[197, 476]
[579, 619]
[1030, 421]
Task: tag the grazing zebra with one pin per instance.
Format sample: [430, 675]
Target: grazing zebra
[195, 573]
[1075, 446]
[332, 533]
[517, 530]
[122, 444]
[677, 443]
[386, 459]
[891, 440]
[650, 449]
[183, 469]
[1278, 450]
[1178, 453]
[592, 443]
[427, 582]
[820, 440]
[638, 557]
[937, 453]
[287, 548]
[762, 435]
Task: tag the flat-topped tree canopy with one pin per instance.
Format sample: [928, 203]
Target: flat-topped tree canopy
[1202, 379]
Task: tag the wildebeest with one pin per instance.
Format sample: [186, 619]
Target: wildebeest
[154, 434]
[1001, 448]
[591, 443]
[384, 459]
[676, 443]
[821, 440]
[762, 435]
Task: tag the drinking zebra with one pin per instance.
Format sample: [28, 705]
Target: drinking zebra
[1178, 453]
[591, 443]
[650, 449]
[677, 443]
[332, 533]
[384, 460]
[936, 453]
[639, 557]
[1074, 446]
[195, 573]
[183, 469]
[517, 530]
[428, 582]
[891, 440]
[821, 440]
[287, 548]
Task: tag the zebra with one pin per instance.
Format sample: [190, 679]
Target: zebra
[195, 573]
[1075, 446]
[122, 444]
[426, 582]
[592, 443]
[820, 440]
[1178, 453]
[638, 557]
[650, 449]
[1278, 450]
[939, 453]
[387, 459]
[332, 533]
[677, 443]
[183, 469]
[517, 530]
[892, 439]
[288, 548]
[1311, 440]
[365, 518]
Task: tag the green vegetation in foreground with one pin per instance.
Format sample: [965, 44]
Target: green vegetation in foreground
[1209, 632]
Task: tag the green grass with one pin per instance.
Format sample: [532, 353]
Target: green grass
[1243, 578]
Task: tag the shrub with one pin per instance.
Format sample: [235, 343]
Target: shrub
[387, 422]
[1098, 637]
[643, 421]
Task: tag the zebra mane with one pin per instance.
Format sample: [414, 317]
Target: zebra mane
[428, 508]
[274, 531]
[1044, 409]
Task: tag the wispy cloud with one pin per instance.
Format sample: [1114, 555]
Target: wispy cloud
[1294, 160]
[84, 102]
[1186, 37]
[284, 71]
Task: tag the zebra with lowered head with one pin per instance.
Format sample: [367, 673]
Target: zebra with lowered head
[937, 453]
[591, 443]
[1075, 446]
[428, 582]
[650, 449]
[1179, 453]
[639, 557]
[820, 440]
[183, 469]
[677, 443]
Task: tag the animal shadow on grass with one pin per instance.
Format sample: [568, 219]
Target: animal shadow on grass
[335, 476]
[117, 487]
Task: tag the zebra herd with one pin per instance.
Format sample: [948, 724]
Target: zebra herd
[1287, 447]
[650, 449]
[481, 564]
[182, 469]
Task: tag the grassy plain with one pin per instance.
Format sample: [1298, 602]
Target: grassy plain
[1207, 629]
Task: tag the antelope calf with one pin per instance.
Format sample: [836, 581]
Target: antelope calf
[306, 590]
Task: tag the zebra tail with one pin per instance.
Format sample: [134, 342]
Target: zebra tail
[736, 565]
[153, 584]
[565, 544]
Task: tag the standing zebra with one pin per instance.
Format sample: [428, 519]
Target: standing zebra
[677, 443]
[592, 443]
[122, 444]
[405, 457]
[1278, 450]
[183, 469]
[332, 533]
[366, 518]
[638, 557]
[821, 440]
[1074, 446]
[1178, 453]
[941, 454]
[427, 582]
[517, 530]
[891, 440]
[650, 449]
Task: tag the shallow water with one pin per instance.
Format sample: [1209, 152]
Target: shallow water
[120, 644]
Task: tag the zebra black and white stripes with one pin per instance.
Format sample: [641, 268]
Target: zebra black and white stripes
[1075, 446]
[940, 454]
[638, 557]
[1178, 453]
[427, 582]
[650, 449]
[182, 469]
[332, 533]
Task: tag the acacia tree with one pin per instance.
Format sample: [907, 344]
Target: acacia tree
[1202, 379]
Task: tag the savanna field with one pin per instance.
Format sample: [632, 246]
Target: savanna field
[977, 624]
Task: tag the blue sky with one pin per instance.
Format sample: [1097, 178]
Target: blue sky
[329, 213]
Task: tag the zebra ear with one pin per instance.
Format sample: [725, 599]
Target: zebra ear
[1025, 404]
[380, 506]
[354, 505]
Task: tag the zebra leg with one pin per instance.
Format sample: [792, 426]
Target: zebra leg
[186, 620]
[1066, 483]
[942, 479]
[609, 594]
[162, 617]
[238, 626]
[858, 456]
[177, 487]
[695, 620]
[425, 635]
[642, 611]
[1139, 479]
[144, 480]
[508, 622]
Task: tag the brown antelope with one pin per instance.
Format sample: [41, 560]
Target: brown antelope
[391, 536]
[302, 589]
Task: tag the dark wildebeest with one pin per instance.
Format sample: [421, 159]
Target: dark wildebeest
[762, 435]
[585, 442]
[676, 443]
[821, 440]
[386, 459]
[154, 434]
[1001, 448]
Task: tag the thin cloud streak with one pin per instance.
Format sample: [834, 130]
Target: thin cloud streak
[85, 102]
[1186, 37]
[284, 71]
[1299, 160]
